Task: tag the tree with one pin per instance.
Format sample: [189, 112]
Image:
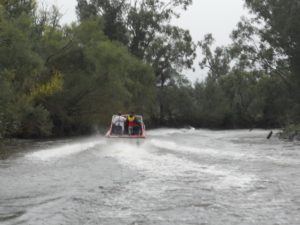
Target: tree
[273, 37]
[217, 62]
[233, 90]
[112, 13]
[168, 49]
[9, 121]
[84, 10]
[23, 73]
[14, 8]
[144, 27]
[281, 20]
[100, 78]
[212, 105]
[179, 103]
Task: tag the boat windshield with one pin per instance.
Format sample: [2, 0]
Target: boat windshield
[139, 118]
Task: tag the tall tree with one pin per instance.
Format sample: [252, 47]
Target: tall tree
[281, 28]
[22, 72]
[217, 62]
[273, 38]
[100, 78]
[14, 8]
[112, 13]
[146, 27]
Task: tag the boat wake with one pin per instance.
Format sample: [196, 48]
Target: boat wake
[174, 176]
[65, 150]
[156, 164]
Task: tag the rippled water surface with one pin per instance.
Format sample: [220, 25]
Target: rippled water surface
[175, 176]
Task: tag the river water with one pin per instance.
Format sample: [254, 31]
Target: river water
[174, 176]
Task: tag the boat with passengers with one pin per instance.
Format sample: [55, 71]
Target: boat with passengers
[126, 126]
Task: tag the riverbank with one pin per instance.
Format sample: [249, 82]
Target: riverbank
[13, 145]
[291, 133]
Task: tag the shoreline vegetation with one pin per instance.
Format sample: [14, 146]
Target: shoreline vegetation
[61, 81]
[291, 133]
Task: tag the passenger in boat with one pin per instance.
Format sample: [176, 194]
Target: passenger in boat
[118, 121]
[137, 130]
[131, 123]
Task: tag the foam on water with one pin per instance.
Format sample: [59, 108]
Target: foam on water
[64, 150]
[236, 151]
[165, 132]
[169, 166]
[172, 146]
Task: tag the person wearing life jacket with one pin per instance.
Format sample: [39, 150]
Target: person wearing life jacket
[131, 123]
[119, 121]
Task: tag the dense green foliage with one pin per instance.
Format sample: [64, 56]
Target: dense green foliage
[144, 27]
[125, 56]
[255, 80]
[64, 80]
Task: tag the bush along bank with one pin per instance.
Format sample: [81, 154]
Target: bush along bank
[291, 132]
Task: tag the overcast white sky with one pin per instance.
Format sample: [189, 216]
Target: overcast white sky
[218, 17]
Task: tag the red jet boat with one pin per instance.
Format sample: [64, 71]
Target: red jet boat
[117, 131]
